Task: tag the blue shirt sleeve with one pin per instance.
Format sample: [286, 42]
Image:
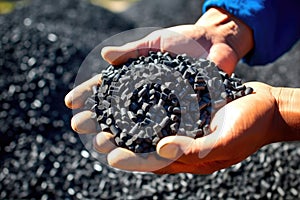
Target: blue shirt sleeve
[275, 25]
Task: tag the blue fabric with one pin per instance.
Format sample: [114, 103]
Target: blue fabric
[275, 25]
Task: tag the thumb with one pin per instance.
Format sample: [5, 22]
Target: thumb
[189, 150]
[117, 55]
[173, 147]
[224, 57]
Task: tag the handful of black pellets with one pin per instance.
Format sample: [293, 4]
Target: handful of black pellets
[158, 95]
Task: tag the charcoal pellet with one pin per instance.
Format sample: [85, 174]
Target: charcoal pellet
[123, 136]
[146, 106]
[110, 111]
[141, 134]
[248, 90]
[176, 110]
[206, 130]
[131, 115]
[161, 102]
[109, 121]
[140, 112]
[142, 92]
[157, 128]
[129, 142]
[114, 130]
[174, 118]
[155, 141]
[148, 121]
[149, 131]
[104, 127]
[123, 111]
[134, 130]
[170, 109]
[160, 134]
[165, 122]
[240, 87]
[119, 141]
[174, 127]
[94, 89]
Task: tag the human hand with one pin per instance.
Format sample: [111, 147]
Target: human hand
[225, 38]
[83, 123]
[239, 129]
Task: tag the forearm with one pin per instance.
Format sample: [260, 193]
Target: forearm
[287, 122]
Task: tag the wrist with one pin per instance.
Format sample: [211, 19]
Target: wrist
[287, 116]
[227, 29]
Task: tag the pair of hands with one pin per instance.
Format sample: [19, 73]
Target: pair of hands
[239, 129]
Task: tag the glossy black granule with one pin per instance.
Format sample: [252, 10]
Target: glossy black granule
[143, 100]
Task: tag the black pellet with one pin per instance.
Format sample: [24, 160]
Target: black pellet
[123, 136]
[131, 115]
[104, 127]
[206, 130]
[157, 128]
[248, 90]
[142, 92]
[174, 127]
[109, 121]
[140, 113]
[110, 111]
[114, 130]
[129, 142]
[165, 122]
[119, 141]
[161, 102]
[176, 110]
[123, 111]
[155, 141]
[174, 118]
[134, 130]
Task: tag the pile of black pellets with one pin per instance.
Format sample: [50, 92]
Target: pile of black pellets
[156, 96]
[41, 157]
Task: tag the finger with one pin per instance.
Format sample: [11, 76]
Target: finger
[224, 57]
[119, 55]
[104, 142]
[77, 97]
[127, 160]
[189, 150]
[83, 122]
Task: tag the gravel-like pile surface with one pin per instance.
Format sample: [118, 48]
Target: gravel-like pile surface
[41, 49]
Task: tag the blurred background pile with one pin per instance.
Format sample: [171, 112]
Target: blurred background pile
[42, 44]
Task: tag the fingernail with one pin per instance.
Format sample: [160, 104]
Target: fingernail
[170, 151]
[68, 99]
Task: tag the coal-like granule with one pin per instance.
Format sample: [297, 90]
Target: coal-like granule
[156, 96]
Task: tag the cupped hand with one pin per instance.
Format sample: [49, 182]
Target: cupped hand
[240, 128]
[117, 157]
